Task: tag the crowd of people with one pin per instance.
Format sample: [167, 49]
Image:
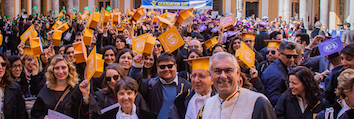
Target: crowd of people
[290, 77]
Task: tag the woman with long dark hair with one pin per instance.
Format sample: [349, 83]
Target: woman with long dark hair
[143, 67]
[303, 98]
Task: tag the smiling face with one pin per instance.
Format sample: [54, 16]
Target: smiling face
[126, 98]
[126, 60]
[110, 73]
[270, 56]
[119, 44]
[45, 56]
[149, 61]
[226, 81]
[16, 68]
[109, 57]
[125, 33]
[61, 70]
[237, 44]
[201, 81]
[296, 86]
[28, 61]
[347, 61]
[2, 69]
[157, 47]
[167, 74]
[287, 61]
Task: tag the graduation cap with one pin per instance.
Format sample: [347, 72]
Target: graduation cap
[138, 14]
[211, 42]
[80, 52]
[63, 27]
[87, 36]
[185, 17]
[164, 22]
[273, 43]
[199, 63]
[249, 35]
[94, 19]
[57, 37]
[263, 24]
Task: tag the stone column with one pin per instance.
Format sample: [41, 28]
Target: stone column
[38, 4]
[287, 10]
[280, 8]
[9, 8]
[69, 6]
[227, 6]
[76, 4]
[351, 14]
[55, 7]
[303, 12]
[115, 4]
[239, 8]
[324, 12]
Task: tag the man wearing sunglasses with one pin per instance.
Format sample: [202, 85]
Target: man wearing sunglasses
[275, 76]
[271, 55]
[232, 101]
[161, 91]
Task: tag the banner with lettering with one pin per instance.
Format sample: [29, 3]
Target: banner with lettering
[177, 4]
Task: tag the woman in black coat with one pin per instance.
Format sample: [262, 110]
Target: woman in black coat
[105, 96]
[56, 95]
[302, 100]
[12, 104]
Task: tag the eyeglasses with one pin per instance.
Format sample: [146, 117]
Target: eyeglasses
[270, 51]
[193, 47]
[248, 41]
[289, 56]
[17, 66]
[157, 45]
[200, 76]
[218, 71]
[115, 77]
[3, 64]
[169, 66]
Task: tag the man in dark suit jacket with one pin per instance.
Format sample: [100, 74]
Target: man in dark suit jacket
[161, 91]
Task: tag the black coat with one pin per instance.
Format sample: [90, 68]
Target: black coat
[331, 87]
[259, 41]
[151, 90]
[108, 99]
[336, 109]
[46, 100]
[14, 106]
[288, 108]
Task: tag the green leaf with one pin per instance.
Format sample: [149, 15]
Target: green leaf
[35, 7]
[109, 8]
[86, 8]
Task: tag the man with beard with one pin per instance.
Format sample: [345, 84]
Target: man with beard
[271, 55]
[161, 91]
[275, 76]
[233, 101]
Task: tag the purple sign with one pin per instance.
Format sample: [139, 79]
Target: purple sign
[202, 28]
[330, 46]
[215, 29]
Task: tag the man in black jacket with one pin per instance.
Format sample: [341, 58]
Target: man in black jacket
[161, 91]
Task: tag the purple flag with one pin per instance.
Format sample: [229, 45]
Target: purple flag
[215, 29]
[202, 28]
[330, 46]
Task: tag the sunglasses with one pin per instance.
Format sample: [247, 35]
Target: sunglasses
[270, 51]
[289, 56]
[3, 64]
[169, 66]
[158, 45]
[115, 77]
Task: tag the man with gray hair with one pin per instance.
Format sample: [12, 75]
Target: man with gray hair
[317, 30]
[233, 101]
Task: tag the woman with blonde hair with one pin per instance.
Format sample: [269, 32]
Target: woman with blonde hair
[61, 80]
[32, 68]
[344, 108]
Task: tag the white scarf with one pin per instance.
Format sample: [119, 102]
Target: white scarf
[196, 102]
[122, 115]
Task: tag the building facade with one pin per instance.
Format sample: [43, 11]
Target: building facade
[329, 12]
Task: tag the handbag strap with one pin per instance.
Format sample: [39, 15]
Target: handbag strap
[67, 90]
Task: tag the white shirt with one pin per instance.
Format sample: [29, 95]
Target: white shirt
[174, 80]
[122, 115]
[303, 104]
[344, 109]
[194, 105]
